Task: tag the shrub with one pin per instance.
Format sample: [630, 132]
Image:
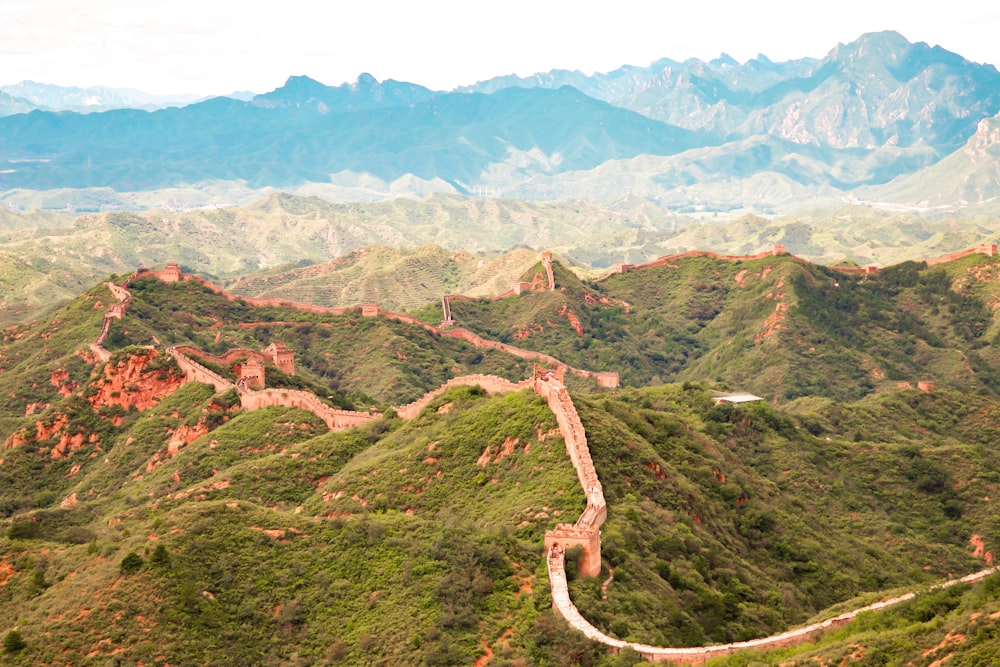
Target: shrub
[13, 642]
[160, 557]
[131, 564]
[23, 530]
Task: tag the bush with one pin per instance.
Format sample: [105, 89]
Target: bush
[131, 564]
[13, 642]
[23, 530]
[160, 557]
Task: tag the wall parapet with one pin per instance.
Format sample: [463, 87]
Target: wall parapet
[493, 385]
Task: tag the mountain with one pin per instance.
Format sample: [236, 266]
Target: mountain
[10, 104]
[90, 100]
[968, 177]
[761, 174]
[879, 90]
[292, 136]
[46, 257]
[713, 137]
[776, 326]
[302, 247]
[150, 518]
[365, 94]
[395, 278]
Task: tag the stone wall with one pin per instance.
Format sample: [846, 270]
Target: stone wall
[586, 531]
[988, 249]
[603, 379]
[291, 398]
[195, 372]
[491, 383]
[699, 655]
[115, 311]
[547, 264]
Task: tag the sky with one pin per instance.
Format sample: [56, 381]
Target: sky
[207, 47]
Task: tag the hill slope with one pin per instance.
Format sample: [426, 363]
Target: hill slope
[151, 519]
[776, 326]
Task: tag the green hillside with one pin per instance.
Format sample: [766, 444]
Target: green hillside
[149, 519]
[399, 279]
[775, 326]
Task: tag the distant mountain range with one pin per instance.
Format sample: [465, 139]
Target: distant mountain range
[693, 135]
[880, 90]
[29, 95]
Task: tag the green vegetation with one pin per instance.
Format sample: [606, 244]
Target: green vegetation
[13, 642]
[772, 326]
[187, 530]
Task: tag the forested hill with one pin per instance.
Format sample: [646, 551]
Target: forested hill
[148, 518]
[773, 325]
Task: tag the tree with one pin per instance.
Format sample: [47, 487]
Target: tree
[131, 564]
[160, 557]
[13, 642]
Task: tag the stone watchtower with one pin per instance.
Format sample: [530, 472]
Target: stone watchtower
[171, 274]
[252, 373]
[282, 357]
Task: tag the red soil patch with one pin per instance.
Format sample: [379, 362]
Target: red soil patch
[486, 657]
[655, 467]
[533, 328]
[128, 384]
[773, 323]
[60, 380]
[508, 448]
[32, 408]
[6, 572]
[574, 321]
[980, 549]
[274, 534]
[950, 639]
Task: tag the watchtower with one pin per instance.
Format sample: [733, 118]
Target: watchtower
[282, 357]
[171, 273]
[252, 373]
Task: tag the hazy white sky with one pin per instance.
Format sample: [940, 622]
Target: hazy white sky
[216, 47]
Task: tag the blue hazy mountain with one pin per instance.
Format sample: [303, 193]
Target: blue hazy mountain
[305, 131]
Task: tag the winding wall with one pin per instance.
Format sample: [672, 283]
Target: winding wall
[987, 249]
[604, 379]
[586, 531]
[701, 654]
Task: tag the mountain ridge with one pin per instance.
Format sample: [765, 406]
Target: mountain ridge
[869, 111]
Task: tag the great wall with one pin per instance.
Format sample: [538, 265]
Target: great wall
[988, 249]
[585, 533]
